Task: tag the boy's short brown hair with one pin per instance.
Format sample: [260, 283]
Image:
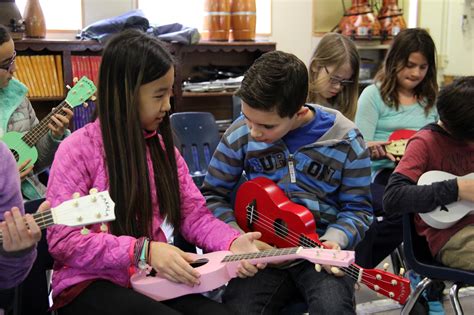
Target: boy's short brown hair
[276, 81]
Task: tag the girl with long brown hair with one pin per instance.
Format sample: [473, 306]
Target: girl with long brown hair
[402, 97]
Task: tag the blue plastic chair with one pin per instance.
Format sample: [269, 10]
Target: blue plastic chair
[419, 259]
[196, 137]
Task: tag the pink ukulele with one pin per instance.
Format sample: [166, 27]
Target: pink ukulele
[218, 268]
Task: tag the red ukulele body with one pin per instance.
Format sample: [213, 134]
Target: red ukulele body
[262, 206]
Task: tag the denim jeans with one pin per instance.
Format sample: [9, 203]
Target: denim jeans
[271, 289]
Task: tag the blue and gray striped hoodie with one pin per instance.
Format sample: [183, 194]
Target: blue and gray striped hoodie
[332, 176]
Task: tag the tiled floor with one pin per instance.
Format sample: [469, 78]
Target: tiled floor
[369, 303]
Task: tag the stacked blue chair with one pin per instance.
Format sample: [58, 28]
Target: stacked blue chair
[196, 135]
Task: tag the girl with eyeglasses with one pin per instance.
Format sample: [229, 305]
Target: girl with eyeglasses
[402, 97]
[17, 114]
[334, 74]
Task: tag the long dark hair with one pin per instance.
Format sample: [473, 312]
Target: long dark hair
[129, 60]
[409, 41]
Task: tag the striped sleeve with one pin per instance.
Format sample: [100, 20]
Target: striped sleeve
[356, 213]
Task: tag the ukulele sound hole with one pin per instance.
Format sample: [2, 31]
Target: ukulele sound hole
[252, 214]
[199, 262]
[281, 228]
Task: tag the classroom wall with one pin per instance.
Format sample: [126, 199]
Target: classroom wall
[454, 39]
[292, 27]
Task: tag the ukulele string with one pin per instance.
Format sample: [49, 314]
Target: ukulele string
[352, 270]
[291, 237]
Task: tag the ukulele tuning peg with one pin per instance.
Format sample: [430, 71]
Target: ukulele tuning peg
[75, 196]
[93, 98]
[85, 231]
[335, 270]
[93, 193]
[75, 79]
[103, 227]
[68, 86]
[376, 288]
[391, 295]
[394, 282]
[317, 267]
[385, 266]
[85, 104]
[402, 272]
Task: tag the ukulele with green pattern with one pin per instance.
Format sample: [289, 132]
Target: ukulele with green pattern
[22, 145]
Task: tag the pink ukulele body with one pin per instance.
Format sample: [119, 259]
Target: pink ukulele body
[218, 268]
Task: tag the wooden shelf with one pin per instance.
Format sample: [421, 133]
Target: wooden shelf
[47, 99]
[188, 57]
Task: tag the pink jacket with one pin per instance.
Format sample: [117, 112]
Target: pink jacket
[78, 166]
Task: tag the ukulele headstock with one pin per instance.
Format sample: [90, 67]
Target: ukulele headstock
[385, 283]
[80, 211]
[80, 92]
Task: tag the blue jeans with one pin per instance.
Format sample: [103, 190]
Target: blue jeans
[271, 289]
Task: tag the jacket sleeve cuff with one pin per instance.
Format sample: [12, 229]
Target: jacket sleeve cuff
[337, 236]
[232, 241]
[67, 132]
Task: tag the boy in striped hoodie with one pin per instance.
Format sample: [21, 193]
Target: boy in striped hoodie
[317, 157]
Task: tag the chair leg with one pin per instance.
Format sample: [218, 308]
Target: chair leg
[415, 295]
[453, 297]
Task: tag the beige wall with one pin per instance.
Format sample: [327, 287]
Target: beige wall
[454, 42]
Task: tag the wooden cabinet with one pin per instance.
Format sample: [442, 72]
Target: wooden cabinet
[187, 58]
[372, 54]
[218, 54]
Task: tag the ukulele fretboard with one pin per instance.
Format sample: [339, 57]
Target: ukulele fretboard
[43, 219]
[38, 131]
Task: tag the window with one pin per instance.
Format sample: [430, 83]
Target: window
[59, 14]
[186, 12]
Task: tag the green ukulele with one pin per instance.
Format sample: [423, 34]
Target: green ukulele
[23, 145]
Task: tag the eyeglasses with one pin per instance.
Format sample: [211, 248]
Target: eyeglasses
[336, 81]
[7, 66]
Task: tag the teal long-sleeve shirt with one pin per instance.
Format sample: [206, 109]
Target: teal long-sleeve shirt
[377, 121]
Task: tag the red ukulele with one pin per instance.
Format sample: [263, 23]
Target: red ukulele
[262, 206]
[399, 140]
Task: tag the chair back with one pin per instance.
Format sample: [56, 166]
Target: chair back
[196, 135]
[419, 258]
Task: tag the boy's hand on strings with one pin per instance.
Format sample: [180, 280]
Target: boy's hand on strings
[60, 123]
[24, 171]
[330, 269]
[244, 244]
[466, 189]
[377, 150]
[20, 232]
[172, 263]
